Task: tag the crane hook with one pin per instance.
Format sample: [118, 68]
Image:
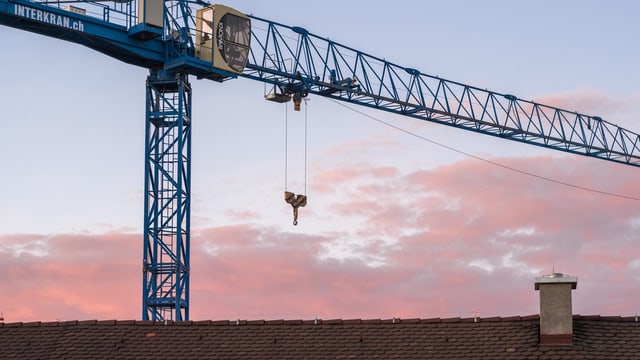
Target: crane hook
[296, 201]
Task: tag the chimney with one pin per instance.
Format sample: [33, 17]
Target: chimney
[556, 315]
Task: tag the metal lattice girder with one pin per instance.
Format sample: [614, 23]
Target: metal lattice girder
[296, 61]
[167, 203]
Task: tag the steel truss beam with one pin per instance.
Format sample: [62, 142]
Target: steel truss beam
[167, 202]
[296, 61]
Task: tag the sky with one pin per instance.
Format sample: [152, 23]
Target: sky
[395, 226]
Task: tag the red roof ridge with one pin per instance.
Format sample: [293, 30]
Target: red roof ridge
[336, 321]
[633, 318]
[595, 336]
[261, 322]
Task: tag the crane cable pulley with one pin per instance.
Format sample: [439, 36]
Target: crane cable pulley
[295, 200]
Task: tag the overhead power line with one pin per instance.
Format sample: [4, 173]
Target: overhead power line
[491, 162]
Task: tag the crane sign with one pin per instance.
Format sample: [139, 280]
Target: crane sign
[176, 39]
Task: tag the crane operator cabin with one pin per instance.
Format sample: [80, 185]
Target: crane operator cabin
[222, 35]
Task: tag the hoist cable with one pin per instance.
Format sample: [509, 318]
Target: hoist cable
[286, 145]
[305, 146]
[491, 162]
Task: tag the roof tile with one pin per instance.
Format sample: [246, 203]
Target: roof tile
[452, 338]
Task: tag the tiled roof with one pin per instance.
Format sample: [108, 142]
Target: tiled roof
[595, 337]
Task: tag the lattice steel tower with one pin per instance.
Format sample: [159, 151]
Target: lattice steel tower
[167, 197]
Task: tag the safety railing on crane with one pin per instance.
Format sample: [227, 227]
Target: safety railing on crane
[123, 13]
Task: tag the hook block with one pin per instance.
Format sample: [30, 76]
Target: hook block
[296, 202]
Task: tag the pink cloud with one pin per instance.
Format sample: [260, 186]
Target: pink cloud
[473, 238]
[455, 240]
[69, 276]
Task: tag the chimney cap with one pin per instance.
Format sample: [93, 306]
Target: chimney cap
[556, 278]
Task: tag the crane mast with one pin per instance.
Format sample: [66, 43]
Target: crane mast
[165, 281]
[178, 39]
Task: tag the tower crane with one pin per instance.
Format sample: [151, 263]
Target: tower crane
[177, 40]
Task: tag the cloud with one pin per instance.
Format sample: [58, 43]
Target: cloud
[455, 240]
[68, 277]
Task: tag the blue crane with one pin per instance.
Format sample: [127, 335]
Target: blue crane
[179, 39]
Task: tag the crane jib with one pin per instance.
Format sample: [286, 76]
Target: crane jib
[48, 17]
